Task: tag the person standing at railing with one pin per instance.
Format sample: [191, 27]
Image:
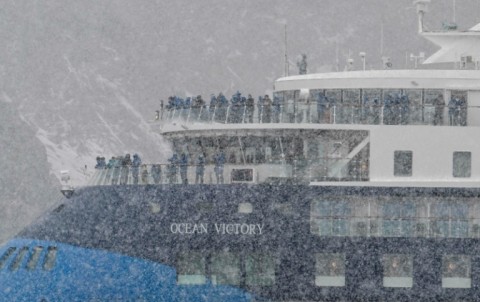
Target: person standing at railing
[212, 107]
[144, 174]
[462, 105]
[219, 163]
[135, 168]
[234, 112]
[267, 108]
[276, 105]
[126, 163]
[184, 168]
[376, 111]
[322, 103]
[200, 170]
[172, 169]
[439, 107]
[201, 107]
[156, 172]
[109, 167]
[405, 109]
[452, 108]
[222, 105]
[260, 109]
[117, 164]
[250, 107]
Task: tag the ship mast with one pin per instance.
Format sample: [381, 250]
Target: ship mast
[422, 8]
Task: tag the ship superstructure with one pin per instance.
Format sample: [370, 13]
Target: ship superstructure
[358, 185]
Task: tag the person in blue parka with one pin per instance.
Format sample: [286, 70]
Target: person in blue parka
[183, 168]
[200, 170]
[136, 162]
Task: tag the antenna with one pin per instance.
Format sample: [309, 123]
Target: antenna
[337, 60]
[381, 39]
[422, 8]
[454, 12]
[286, 53]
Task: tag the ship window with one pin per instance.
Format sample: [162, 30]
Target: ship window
[6, 256]
[462, 162]
[330, 218]
[34, 257]
[225, 269]
[457, 108]
[397, 270]
[260, 270]
[348, 111]
[398, 219]
[456, 271]
[50, 258]
[242, 175]
[330, 269]
[395, 108]
[432, 112]
[19, 259]
[414, 97]
[372, 106]
[402, 163]
[191, 268]
[450, 219]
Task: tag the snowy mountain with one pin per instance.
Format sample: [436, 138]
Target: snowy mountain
[87, 76]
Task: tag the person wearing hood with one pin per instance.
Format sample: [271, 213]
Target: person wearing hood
[156, 172]
[126, 163]
[219, 163]
[200, 169]
[184, 168]
[135, 168]
[172, 169]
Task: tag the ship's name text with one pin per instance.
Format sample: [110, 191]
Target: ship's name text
[218, 228]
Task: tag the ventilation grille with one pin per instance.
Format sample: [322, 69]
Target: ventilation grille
[30, 258]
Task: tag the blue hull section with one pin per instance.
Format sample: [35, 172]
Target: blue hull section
[80, 274]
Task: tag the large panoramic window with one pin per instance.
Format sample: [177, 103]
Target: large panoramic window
[449, 219]
[402, 165]
[260, 270]
[458, 108]
[462, 164]
[398, 219]
[225, 269]
[329, 269]
[397, 270]
[191, 268]
[434, 107]
[330, 218]
[456, 271]
[372, 104]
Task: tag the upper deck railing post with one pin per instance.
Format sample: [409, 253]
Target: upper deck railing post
[334, 114]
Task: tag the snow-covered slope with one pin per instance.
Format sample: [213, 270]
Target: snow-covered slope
[86, 76]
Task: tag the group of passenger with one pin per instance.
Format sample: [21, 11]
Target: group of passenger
[118, 169]
[182, 163]
[239, 109]
[457, 111]
[394, 109]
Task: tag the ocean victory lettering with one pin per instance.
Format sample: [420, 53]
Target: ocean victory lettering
[218, 228]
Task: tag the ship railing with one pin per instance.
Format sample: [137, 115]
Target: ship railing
[381, 226]
[252, 172]
[316, 114]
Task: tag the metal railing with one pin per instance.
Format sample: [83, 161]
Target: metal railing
[324, 169]
[317, 114]
[378, 226]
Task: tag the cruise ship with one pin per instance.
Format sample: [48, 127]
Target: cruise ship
[346, 186]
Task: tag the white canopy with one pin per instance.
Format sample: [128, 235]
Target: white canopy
[455, 45]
